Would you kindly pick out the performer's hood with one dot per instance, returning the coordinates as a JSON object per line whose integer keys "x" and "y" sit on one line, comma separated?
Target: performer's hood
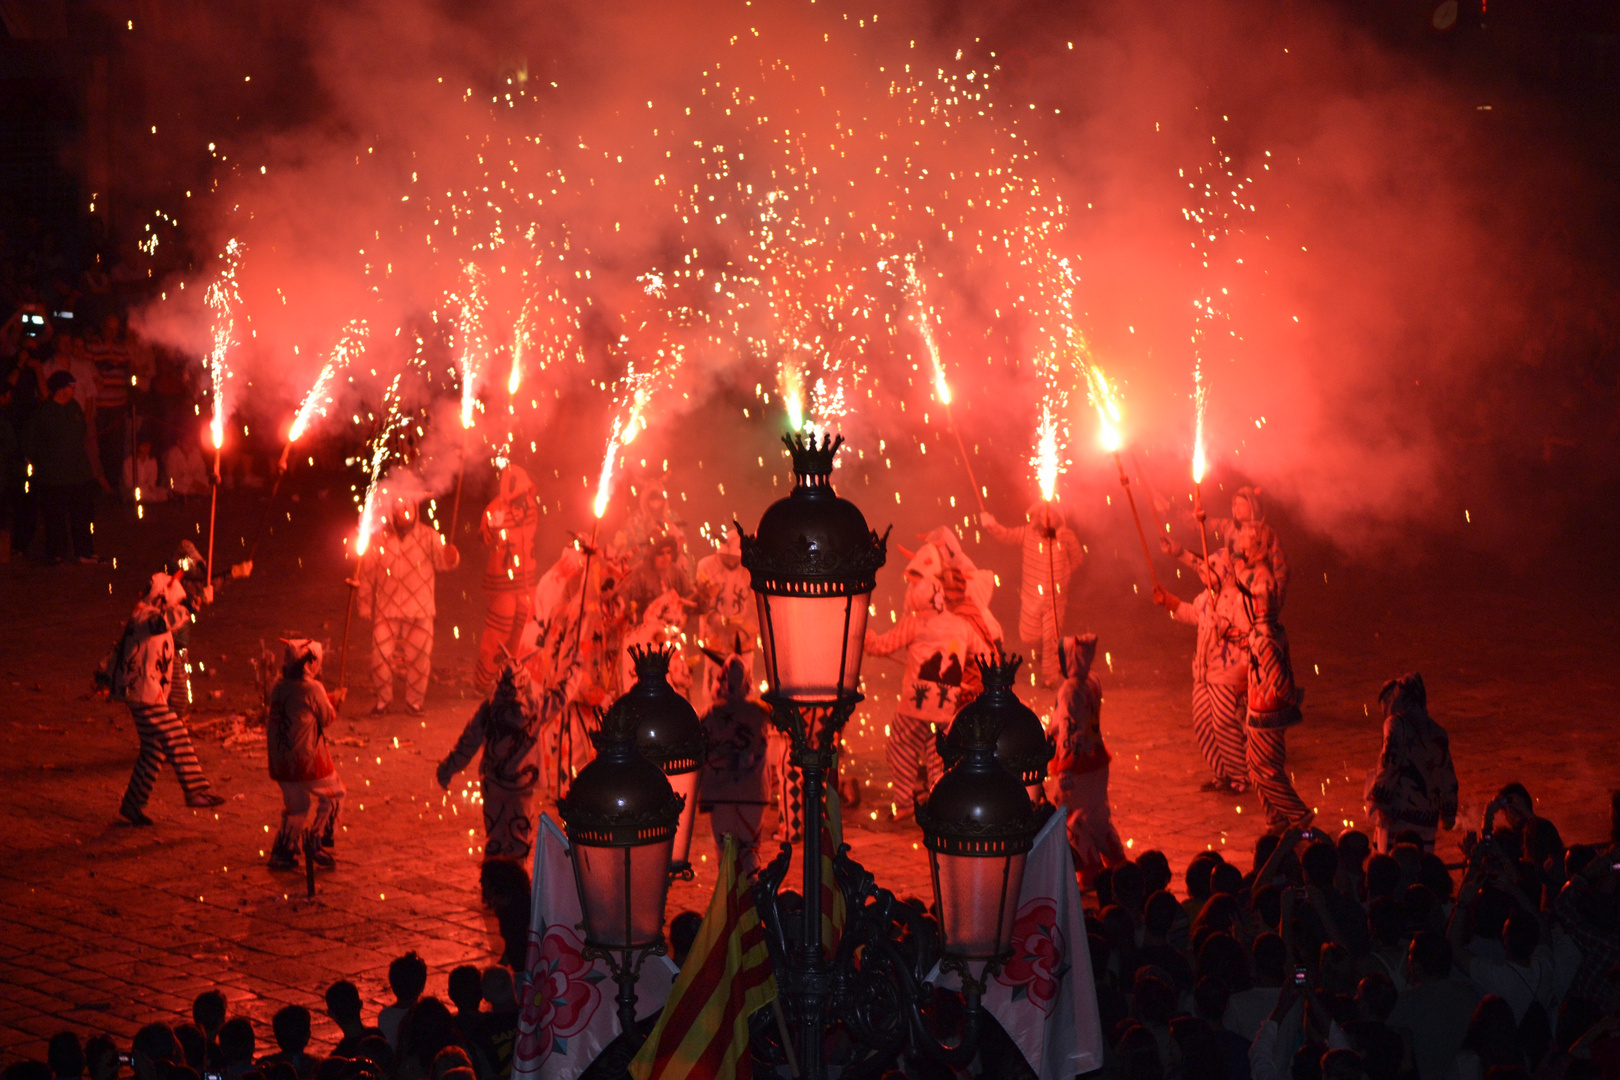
{"x": 927, "y": 562}
{"x": 1405, "y": 695}
{"x": 731, "y": 544}
{"x": 1246, "y": 505}
{"x": 514, "y": 482}
{"x": 1046, "y": 515}
{"x": 949, "y": 545}
{"x": 1076, "y": 654}
{"x": 165, "y": 590}
{"x": 515, "y": 683}
{"x": 186, "y": 557}
{"x": 301, "y": 656}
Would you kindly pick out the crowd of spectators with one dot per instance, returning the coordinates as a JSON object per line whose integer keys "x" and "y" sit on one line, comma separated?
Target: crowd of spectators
{"x": 88, "y": 409}
{"x": 1324, "y": 960}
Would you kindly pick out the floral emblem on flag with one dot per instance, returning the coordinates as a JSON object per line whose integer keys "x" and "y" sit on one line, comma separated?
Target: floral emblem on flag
{"x": 1039, "y": 960}
{"x": 563, "y": 996}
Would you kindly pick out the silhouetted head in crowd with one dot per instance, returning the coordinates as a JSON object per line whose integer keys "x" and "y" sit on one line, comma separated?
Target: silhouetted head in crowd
{"x": 236, "y": 1043}
{"x": 1130, "y": 891}
{"x": 1222, "y": 957}
{"x": 1429, "y": 957}
{"x": 101, "y": 1058}
{"x": 156, "y": 1043}
{"x": 1387, "y": 921}
{"x": 375, "y": 1049}
{"x": 193, "y": 1045}
{"x": 1269, "y": 956}
{"x": 343, "y": 1006}
{"x": 1342, "y": 1065}
{"x": 448, "y": 1060}
{"x": 1354, "y": 848}
{"x": 1138, "y": 1053}
{"x": 1383, "y": 877}
{"x": 1493, "y": 1034}
{"x": 1193, "y": 1053}
{"x": 1210, "y": 998}
{"x": 1307, "y": 1064}
{"x": 426, "y": 1029}
{"x": 1155, "y": 870}
{"x": 290, "y": 1026}
{"x": 65, "y": 1056}
{"x": 1227, "y": 879}
{"x": 466, "y": 988}
{"x": 496, "y": 986}
{"x": 1159, "y": 915}
{"x": 1153, "y": 1000}
{"x": 1376, "y": 996}
{"x": 683, "y": 932}
{"x": 1199, "y": 873}
{"x": 407, "y": 977}
{"x": 1319, "y": 863}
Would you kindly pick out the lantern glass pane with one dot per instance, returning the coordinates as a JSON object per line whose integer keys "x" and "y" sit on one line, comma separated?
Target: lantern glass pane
{"x": 624, "y": 890}
{"x": 802, "y": 644}
{"x": 972, "y": 902}
{"x": 685, "y": 784}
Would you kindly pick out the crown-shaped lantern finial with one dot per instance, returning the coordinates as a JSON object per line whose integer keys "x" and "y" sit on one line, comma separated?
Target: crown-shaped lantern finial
{"x": 813, "y": 457}
{"x": 999, "y": 669}
{"x": 651, "y": 661}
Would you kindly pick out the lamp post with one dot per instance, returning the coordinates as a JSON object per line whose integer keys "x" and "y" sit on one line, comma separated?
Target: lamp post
{"x": 978, "y": 826}
{"x": 668, "y": 735}
{"x": 621, "y": 817}
{"x": 1021, "y": 745}
{"x": 814, "y": 564}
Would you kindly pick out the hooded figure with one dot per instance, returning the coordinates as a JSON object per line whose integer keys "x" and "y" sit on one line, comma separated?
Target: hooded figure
{"x": 396, "y": 591}
{"x": 1273, "y": 699}
{"x": 507, "y": 728}
{"x": 661, "y": 624}
{"x": 733, "y": 788}
{"x": 652, "y": 521}
{"x": 1248, "y": 511}
{"x": 1051, "y": 555}
{"x": 300, "y": 758}
{"x": 1220, "y": 671}
{"x": 725, "y": 599}
{"x": 1081, "y": 764}
{"x": 145, "y": 660}
{"x": 510, "y": 574}
{"x": 1415, "y": 784}
{"x": 940, "y": 647}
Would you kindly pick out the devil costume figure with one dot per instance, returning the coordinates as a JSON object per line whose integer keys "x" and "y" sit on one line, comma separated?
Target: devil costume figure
{"x": 188, "y": 566}
{"x": 510, "y": 574}
{"x": 1220, "y": 672}
{"x": 1415, "y": 785}
{"x": 507, "y": 728}
{"x": 660, "y": 626}
{"x": 1051, "y": 555}
{"x": 142, "y": 670}
{"x": 301, "y": 759}
{"x": 1274, "y": 700}
{"x": 733, "y": 790}
{"x": 725, "y": 604}
{"x": 1247, "y": 512}
{"x": 396, "y": 580}
{"x": 1081, "y": 765}
{"x": 940, "y": 646}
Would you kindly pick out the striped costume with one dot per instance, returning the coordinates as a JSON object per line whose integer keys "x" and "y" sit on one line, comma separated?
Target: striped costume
{"x": 397, "y": 577}
{"x": 510, "y": 574}
{"x": 1415, "y": 785}
{"x": 300, "y": 758}
{"x": 1273, "y": 700}
{"x": 1220, "y": 674}
{"x": 1051, "y": 554}
{"x": 147, "y": 661}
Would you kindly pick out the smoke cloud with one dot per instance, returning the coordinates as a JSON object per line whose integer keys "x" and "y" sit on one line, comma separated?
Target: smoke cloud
{"x": 677, "y": 212}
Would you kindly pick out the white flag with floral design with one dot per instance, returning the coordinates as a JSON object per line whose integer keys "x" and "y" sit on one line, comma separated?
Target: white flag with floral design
{"x": 1045, "y": 996}
{"x": 568, "y": 1012}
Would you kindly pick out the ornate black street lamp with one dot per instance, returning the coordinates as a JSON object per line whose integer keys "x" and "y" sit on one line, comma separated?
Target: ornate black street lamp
{"x": 668, "y": 735}
{"x": 1022, "y": 746}
{"x": 814, "y": 564}
{"x": 621, "y": 816}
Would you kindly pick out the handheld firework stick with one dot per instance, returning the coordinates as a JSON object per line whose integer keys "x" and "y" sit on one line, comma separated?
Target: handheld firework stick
{"x": 1107, "y": 403}
{"x": 942, "y": 389}
{"x": 1153, "y": 497}
{"x": 213, "y": 504}
{"x": 343, "y": 652}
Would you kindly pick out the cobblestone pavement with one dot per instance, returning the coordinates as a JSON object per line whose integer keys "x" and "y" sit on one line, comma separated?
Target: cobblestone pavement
{"x": 108, "y": 927}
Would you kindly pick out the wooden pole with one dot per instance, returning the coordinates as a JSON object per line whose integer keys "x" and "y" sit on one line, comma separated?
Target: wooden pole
{"x": 966, "y": 464}
{"x": 1125, "y": 482}
{"x": 213, "y": 508}
{"x": 1203, "y": 537}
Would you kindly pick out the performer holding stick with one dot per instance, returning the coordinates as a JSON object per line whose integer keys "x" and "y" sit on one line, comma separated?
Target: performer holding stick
{"x": 1051, "y": 554}
{"x": 396, "y": 591}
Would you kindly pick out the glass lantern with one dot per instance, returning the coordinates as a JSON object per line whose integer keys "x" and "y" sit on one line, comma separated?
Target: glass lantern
{"x": 978, "y": 826}
{"x": 621, "y": 816}
{"x": 814, "y": 563}
{"x": 667, "y": 734}
{"x": 1022, "y": 746}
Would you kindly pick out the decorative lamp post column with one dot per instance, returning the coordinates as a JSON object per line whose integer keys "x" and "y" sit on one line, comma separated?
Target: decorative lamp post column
{"x": 668, "y": 735}
{"x": 621, "y": 817}
{"x": 978, "y": 826}
{"x": 1022, "y": 746}
{"x": 814, "y": 563}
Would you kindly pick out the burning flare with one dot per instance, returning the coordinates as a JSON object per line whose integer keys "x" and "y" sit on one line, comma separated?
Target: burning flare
{"x": 319, "y": 398}
{"x": 1106, "y": 400}
{"x": 1200, "y": 398}
{"x": 223, "y": 296}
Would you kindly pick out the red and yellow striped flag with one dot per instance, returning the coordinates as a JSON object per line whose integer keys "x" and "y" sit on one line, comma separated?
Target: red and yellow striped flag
{"x": 832, "y": 897}
{"x": 703, "y": 1032}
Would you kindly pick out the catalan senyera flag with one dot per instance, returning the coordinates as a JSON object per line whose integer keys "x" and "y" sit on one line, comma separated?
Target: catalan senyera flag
{"x": 832, "y": 897}
{"x": 703, "y": 1032}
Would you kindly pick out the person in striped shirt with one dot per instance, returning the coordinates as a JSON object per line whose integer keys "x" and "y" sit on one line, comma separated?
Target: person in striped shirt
{"x": 1051, "y": 555}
